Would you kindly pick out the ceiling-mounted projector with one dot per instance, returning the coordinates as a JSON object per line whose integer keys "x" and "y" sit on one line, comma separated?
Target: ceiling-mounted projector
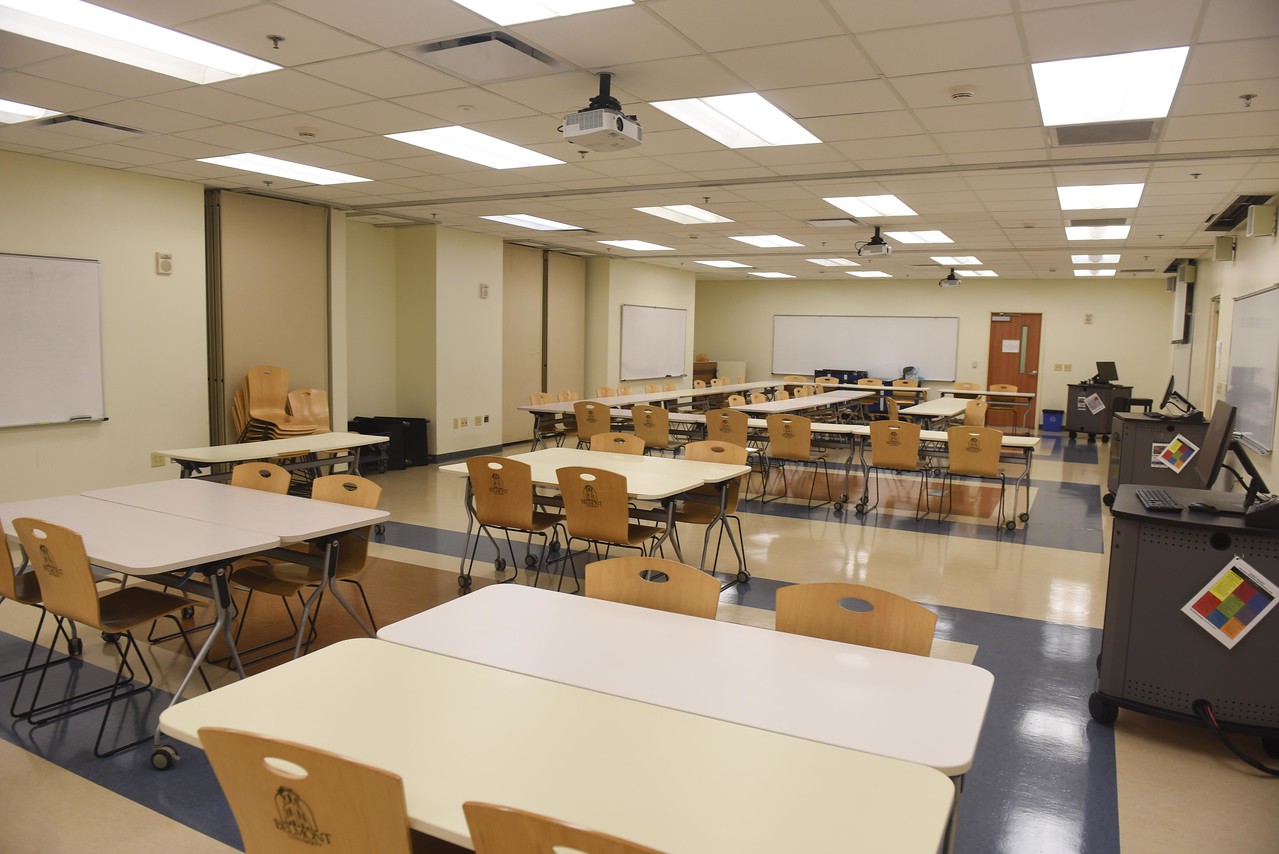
{"x": 602, "y": 126}
{"x": 874, "y": 246}
{"x": 951, "y": 281}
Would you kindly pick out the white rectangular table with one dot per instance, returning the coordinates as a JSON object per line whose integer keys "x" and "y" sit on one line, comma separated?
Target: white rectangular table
{"x": 456, "y": 731}
{"x": 937, "y": 409}
{"x": 1024, "y": 400}
{"x": 192, "y": 460}
{"x": 658, "y": 479}
{"x": 910, "y": 707}
{"x": 812, "y": 401}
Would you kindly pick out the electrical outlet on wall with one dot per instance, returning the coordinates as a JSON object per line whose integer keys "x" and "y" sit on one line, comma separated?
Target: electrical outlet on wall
{"x": 466, "y": 422}
{"x": 1068, "y": 367}
{"x": 158, "y": 460}
{"x": 479, "y": 419}
{"x": 454, "y": 423}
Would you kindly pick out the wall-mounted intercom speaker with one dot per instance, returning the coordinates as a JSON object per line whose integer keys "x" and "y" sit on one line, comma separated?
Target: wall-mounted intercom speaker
{"x": 1260, "y": 222}
{"x": 1223, "y": 248}
{"x": 163, "y": 264}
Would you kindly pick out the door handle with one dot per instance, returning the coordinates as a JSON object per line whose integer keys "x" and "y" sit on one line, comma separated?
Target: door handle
{"x": 1033, "y": 373}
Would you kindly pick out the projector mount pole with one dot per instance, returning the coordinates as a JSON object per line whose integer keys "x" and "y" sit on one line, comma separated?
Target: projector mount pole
{"x": 604, "y": 100}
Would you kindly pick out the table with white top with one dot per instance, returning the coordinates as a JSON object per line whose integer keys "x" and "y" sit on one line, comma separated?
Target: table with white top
{"x": 456, "y": 731}
{"x": 1024, "y": 400}
{"x": 342, "y": 448}
{"x": 656, "y": 479}
{"x": 938, "y": 409}
{"x": 820, "y": 400}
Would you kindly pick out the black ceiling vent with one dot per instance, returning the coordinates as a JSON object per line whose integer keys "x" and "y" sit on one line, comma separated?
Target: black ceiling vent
{"x": 90, "y": 129}
{"x": 1137, "y": 270}
{"x": 1235, "y": 213}
{"x": 1098, "y": 222}
{"x": 1171, "y": 269}
{"x": 1106, "y": 133}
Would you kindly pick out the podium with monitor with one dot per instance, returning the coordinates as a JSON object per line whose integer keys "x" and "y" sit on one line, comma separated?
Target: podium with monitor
{"x": 1090, "y": 405}
{"x": 1137, "y": 439}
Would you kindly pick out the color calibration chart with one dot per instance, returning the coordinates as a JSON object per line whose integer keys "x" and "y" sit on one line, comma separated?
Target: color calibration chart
{"x": 1235, "y": 601}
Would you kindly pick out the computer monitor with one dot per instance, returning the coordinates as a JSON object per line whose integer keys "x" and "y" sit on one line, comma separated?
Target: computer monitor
{"x": 1212, "y": 450}
{"x": 1106, "y": 372}
{"x": 1172, "y": 398}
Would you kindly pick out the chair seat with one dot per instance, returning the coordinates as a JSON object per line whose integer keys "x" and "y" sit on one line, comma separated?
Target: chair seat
{"x": 267, "y": 578}
{"x": 131, "y": 607}
{"x": 637, "y": 534}
{"x": 26, "y": 588}
{"x": 697, "y": 512}
{"x": 542, "y": 521}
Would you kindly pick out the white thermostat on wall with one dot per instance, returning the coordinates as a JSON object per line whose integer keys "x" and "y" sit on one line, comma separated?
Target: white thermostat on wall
{"x": 163, "y": 264}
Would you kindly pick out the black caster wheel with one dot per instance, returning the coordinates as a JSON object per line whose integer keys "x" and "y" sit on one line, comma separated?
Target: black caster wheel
{"x": 530, "y": 561}
{"x": 1102, "y": 710}
{"x": 555, "y": 547}
{"x": 1010, "y": 525}
{"x": 1108, "y": 499}
{"x": 499, "y": 565}
{"x": 1025, "y": 517}
{"x": 111, "y": 637}
{"x": 860, "y": 509}
{"x": 188, "y": 612}
{"x": 464, "y": 581}
{"x": 839, "y": 507}
{"x": 163, "y": 758}
{"x": 380, "y": 530}
{"x": 1072, "y": 435}
{"x": 75, "y": 647}
{"x": 743, "y": 576}
{"x": 1271, "y": 746}
{"x": 1105, "y": 440}
{"x": 1092, "y": 440}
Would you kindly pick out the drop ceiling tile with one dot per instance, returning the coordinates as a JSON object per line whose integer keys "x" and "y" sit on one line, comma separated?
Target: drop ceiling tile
{"x": 298, "y": 92}
{"x": 1211, "y": 98}
{"x": 215, "y": 103}
{"x": 616, "y": 37}
{"x": 905, "y": 147}
{"x": 806, "y": 63}
{"x": 1239, "y": 124}
{"x": 791, "y": 155}
{"x": 114, "y": 78}
{"x": 1246, "y": 59}
{"x": 1008, "y": 139}
{"x": 77, "y": 157}
{"x": 304, "y": 39}
{"x": 126, "y": 154}
{"x": 682, "y": 77}
{"x": 237, "y": 138}
{"x": 838, "y": 129}
{"x": 863, "y": 17}
{"x": 465, "y": 106}
{"x": 999, "y": 83}
{"x": 146, "y": 117}
{"x": 556, "y": 94}
{"x": 293, "y": 126}
{"x": 50, "y": 94}
{"x": 968, "y": 116}
{"x": 857, "y": 98}
{"x": 383, "y": 75}
{"x": 750, "y": 23}
{"x": 19, "y": 51}
{"x": 945, "y": 47}
{"x": 1114, "y": 27}
{"x": 177, "y": 147}
{"x": 33, "y": 135}
{"x": 168, "y": 14}
{"x": 1239, "y": 19}
{"x": 378, "y": 117}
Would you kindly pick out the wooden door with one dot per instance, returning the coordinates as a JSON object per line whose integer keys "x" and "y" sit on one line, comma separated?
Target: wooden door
{"x": 1014, "y": 355}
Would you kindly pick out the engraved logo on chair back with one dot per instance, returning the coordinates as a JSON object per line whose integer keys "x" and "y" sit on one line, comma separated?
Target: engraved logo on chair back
{"x": 652, "y": 424}
{"x": 894, "y": 445}
{"x": 62, "y": 567}
{"x": 595, "y": 505}
{"x": 790, "y": 437}
{"x": 591, "y": 418}
{"x": 503, "y": 491}
{"x": 974, "y": 450}
{"x": 728, "y": 425}
{"x": 295, "y": 818}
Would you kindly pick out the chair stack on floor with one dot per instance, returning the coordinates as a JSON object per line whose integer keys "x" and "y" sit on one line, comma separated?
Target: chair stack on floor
{"x": 260, "y": 408}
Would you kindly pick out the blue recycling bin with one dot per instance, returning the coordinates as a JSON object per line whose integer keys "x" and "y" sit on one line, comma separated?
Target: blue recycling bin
{"x": 1052, "y": 420}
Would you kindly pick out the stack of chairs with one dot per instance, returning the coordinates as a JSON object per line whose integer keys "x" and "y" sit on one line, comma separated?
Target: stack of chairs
{"x": 260, "y": 408}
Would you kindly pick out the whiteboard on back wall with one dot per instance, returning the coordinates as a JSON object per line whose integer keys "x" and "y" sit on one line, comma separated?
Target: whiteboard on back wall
{"x": 50, "y": 341}
{"x": 881, "y": 346}
{"x": 1254, "y": 367}
{"x": 654, "y": 342}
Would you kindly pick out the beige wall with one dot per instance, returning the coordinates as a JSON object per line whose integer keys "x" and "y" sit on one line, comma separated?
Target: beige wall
{"x": 1130, "y": 322}
{"x": 153, "y": 329}
{"x": 610, "y": 284}
{"x": 521, "y": 337}
{"x": 566, "y": 327}
{"x": 370, "y": 319}
{"x": 412, "y": 320}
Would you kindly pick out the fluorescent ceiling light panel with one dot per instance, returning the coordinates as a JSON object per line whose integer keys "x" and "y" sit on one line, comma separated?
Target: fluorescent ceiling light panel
{"x": 684, "y": 214}
{"x": 767, "y": 241}
{"x": 872, "y": 206}
{"x": 956, "y": 260}
{"x": 738, "y": 121}
{"x": 1097, "y": 232}
{"x": 724, "y": 264}
{"x": 466, "y": 144}
{"x": 833, "y": 262}
{"x": 986, "y": 274}
{"x": 637, "y": 245}
{"x": 1098, "y": 196}
{"x": 1094, "y": 272}
{"x": 1094, "y": 259}
{"x": 11, "y": 112}
{"x": 283, "y": 169}
{"x": 870, "y": 274}
{"x": 110, "y": 35}
{"x": 508, "y": 12}
{"x": 772, "y": 275}
{"x": 534, "y": 222}
{"x": 1115, "y": 88}
{"x": 918, "y": 236}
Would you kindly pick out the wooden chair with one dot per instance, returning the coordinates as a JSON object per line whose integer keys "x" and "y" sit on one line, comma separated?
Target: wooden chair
{"x": 699, "y": 383}
{"x": 568, "y": 396}
{"x": 652, "y": 388}
{"x": 854, "y": 613}
{"x": 781, "y": 394}
{"x": 650, "y": 582}
{"x": 668, "y": 386}
{"x": 344, "y": 806}
{"x": 267, "y": 477}
{"x": 311, "y": 404}
{"x": 790, "y": 441}
{"x": 69, "y": 592}
{"x": 623, "y": 390}
{"x": 702, "y": 505}
{"x": 716, "y": 382}
{"x": 965, "y": 386}
{"x": 1004, "y": 404}
{"x": 758, "y": 397}
{"x": 741, "y": 378}
{"x": 506, "y": 830}
{"x": 907, "y": 397}
{"x": 894, "y": 446}
{"x": 894, "y": 412}
{"x": 802, "y": 391}
{"x": 975, "y": 413}
{"x": 736, "y": 400}
{"x": 653, "y": 426}
{"x": 618, "y": 443}
{"x": 285, "y": 579}
{"x": 973, "y": 452}
{"x": 267, "y": 397}
{"x": 504, "y": 500}
{"x": 546, "y": 429}
{"x": 728, "y": 425}
{"x": 868, "y": 407}
{"x": 592, "y": 417}
{"x": 605, "y": 391}
{"x": 827, "y": 380}
{"x": 596, "y": 511}
{"x": 794, "y": 378}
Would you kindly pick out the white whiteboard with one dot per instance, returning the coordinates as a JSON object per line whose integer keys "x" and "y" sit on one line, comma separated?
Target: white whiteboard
{"x": 654, "y": 342}
{"x": 881, "y": 346}
{"x": 50, "y": 341}
{"x": 1254, "y": 366}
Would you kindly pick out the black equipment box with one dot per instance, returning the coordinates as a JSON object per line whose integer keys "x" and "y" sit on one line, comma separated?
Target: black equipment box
{"x": 408, "y": 440}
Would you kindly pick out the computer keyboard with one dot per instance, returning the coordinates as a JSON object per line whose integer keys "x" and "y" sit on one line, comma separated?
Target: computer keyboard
{"x": 1157, "y": 501}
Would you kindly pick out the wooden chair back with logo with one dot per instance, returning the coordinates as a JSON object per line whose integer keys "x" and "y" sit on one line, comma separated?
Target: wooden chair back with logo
{"x": 618, "y": 443}
{"x": 605, "y": 391}
{"x": 336, "y": 805}
{"x": 652, "y": 425}
{"x": 727, "y": 425}
{"x": 506, "y": 830}
{"x": 894, "y": 445}
{"x": 854, "y": 613}
{"x": 592, "y": 417}
{"x": 650, "y": 582}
